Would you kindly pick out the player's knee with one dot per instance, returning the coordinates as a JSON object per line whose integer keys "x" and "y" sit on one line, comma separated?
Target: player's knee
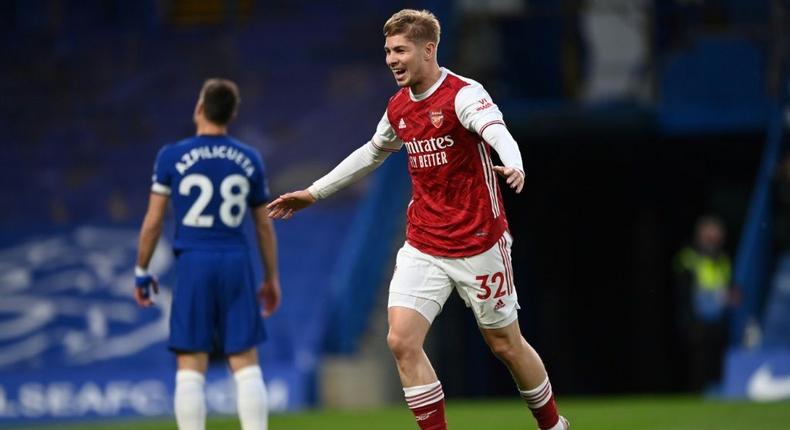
{"x": 505, "y": 349}
{"x": 401, "y": 346}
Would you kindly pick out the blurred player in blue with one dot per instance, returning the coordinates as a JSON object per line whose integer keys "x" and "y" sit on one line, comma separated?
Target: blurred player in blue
{"x": 213, "y": 180}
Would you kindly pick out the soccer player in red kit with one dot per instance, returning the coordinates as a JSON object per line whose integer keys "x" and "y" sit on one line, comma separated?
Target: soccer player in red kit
{"x": 457, "y": 235}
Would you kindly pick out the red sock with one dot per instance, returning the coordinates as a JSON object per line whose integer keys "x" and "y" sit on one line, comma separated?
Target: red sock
{"x": 427, "y": 404}
{"x": 540, "y": 401}
{"x": 546, "y": 415}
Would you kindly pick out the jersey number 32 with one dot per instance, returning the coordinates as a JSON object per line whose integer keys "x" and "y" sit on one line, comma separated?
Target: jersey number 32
{"x": 233, "y": 189}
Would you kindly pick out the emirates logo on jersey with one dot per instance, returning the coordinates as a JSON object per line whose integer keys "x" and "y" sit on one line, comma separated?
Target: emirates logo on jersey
{"x": 437, "y": 118}
{"x": 428, "y": 152}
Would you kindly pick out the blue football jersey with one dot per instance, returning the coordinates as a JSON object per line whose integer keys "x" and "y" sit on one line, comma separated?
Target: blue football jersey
{"x": 212, "y": 181}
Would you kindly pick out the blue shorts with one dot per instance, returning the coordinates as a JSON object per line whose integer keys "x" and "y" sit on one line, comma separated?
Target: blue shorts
{"x": 215, "y": 303}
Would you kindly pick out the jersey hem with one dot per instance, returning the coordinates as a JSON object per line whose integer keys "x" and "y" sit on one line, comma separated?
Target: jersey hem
{"x": 460, "y": 253}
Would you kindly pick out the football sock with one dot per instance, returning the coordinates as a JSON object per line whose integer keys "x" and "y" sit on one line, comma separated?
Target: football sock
{"x": 427, "y": 404}
{"x": 251, "y": 401}
{"x": 540, "y": 401}
{"x": 190, "y": 400}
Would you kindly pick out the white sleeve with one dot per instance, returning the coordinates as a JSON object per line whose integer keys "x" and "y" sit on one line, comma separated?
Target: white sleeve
{"x": 385, "y": 138}
{"x": 499, "y": 137}
{"x": 358, "y": 164}
{"x": 479, "y": 114}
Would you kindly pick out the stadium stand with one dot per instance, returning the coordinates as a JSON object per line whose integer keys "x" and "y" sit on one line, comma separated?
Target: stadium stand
{"x": 101, "y": 103}
{"x": 109, "y": 82}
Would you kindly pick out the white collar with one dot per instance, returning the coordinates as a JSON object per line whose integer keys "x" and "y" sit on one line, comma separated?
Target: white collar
{"x": 431, "y": 90}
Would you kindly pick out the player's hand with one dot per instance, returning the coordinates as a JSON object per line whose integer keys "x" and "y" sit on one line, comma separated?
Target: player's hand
{"x": 269, "y": 295}
{"x": 143, "y": 283}
{"x": 513, "y": 177}
{"x": 283, "y": 207}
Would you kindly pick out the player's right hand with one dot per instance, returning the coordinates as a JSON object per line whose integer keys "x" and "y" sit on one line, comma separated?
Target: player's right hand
{"x": 143, "y": 283}
{"x": 283, "y": 207}
{"x": 270, "y": 295}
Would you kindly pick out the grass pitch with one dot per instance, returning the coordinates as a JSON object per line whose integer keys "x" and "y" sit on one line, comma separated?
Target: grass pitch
{"x": 621, "y": 413}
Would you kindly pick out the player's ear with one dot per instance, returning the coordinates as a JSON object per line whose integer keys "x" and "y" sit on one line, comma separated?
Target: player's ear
{"x": 429, "y": 51}
{"x": 198, "y": 110}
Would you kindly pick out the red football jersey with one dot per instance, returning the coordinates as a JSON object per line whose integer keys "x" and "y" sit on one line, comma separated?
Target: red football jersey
{"x": 456, "y": 208}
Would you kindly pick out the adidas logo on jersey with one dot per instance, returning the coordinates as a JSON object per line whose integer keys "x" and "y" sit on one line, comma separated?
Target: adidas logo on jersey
{"x": 499, "y": 305}
{"x": 402, "y": 124}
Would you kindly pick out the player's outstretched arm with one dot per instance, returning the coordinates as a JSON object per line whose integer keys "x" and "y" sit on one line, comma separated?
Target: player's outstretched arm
{"x": 358, "y": 164}
{"x": 149, "y": 236}
{"x": 283, "y": 207}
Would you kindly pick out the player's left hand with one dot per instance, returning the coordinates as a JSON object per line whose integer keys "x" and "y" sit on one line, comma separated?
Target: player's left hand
{"x": 513, "y": 177}
{"x": 143, "y": 283}
{"x": 269, "y": 296}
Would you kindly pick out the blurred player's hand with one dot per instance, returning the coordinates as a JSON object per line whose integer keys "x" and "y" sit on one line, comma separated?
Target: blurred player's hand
{"x": 513, "y": 177}
{"x": 284, "y": 206}
{"x": 143, "y": 283}
{"x": 269, "y": 296}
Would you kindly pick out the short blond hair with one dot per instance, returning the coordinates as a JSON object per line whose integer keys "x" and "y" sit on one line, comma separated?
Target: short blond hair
{"x": 416, "y": 25}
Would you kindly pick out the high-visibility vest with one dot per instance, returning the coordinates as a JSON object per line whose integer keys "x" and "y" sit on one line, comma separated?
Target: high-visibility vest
{"x": 711, "y": 280}
{"x": 710, "y": 273}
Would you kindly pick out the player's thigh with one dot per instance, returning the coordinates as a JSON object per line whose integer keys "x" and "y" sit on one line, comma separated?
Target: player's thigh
{"x": 243, "y": 359}
{"x": 193, "y": 310}
{"x": 197, "y": 361}
{"x": 240, "y": 321}
{"x": 407, "y": 328}
{"x": 419, "y": 283}
{"x": 485, "y": 283}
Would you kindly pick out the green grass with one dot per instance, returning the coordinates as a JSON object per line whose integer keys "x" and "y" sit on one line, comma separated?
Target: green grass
{"x": 631, "y": 413}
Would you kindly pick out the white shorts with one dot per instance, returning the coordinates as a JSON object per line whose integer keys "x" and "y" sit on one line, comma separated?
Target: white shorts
{"x": 485, "y": 283}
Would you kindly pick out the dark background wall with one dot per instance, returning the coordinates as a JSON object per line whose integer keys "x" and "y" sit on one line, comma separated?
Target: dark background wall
{"x": 595, "y": 232}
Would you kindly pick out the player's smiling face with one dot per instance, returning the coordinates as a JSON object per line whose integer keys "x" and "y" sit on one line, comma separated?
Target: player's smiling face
{"x": 405, "y": 60}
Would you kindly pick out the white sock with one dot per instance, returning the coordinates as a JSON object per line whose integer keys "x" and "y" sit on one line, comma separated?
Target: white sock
{"x": 251, "y": 401}
{"x": 421, "y": 395}
{"x": 538, "y": 396}
{"x": 190, "y": 400}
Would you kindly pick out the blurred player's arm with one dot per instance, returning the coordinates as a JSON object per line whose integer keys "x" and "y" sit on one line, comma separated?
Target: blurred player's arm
{"x": 149, "y": 236}
{"x": 270, "y": 293}
{"x": 358, "y": 164}
{"x": 479, "y": 114}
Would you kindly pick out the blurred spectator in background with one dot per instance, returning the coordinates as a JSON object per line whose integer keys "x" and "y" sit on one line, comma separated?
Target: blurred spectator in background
{"x": 616, "y": 34}
{"x": 703, "y": 291}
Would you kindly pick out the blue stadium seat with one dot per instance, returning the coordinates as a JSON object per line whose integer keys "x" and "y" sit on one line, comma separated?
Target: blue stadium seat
{"x": 718, "y": 84}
